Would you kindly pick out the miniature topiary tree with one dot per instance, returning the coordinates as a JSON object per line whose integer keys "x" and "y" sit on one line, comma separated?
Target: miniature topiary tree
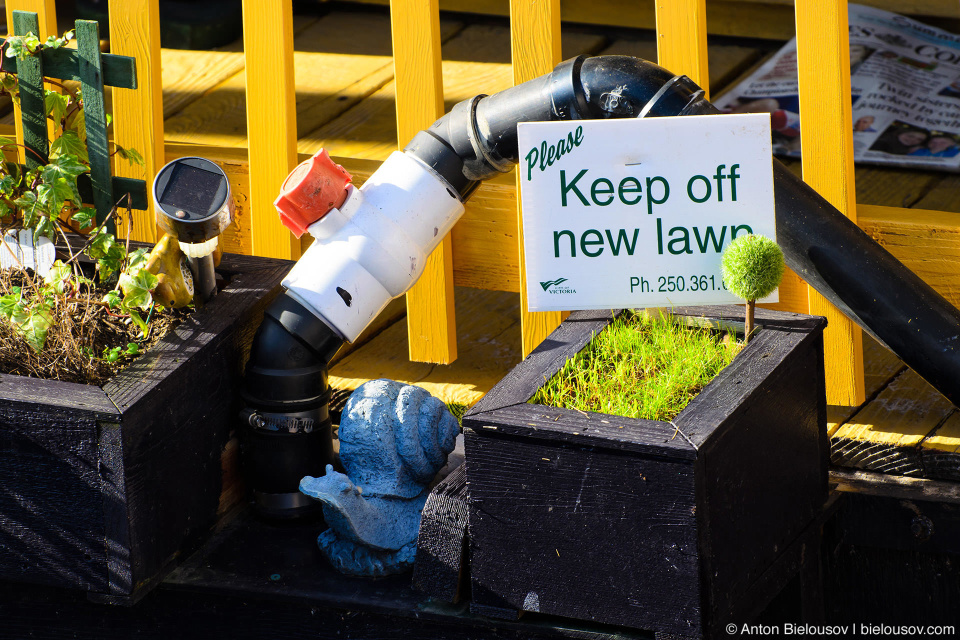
{"x": 752, "y": 268}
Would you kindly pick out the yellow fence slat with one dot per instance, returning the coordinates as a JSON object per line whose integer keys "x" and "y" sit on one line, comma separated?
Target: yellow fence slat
{"x": 535, "y": 50}
{"x": 271, "y": 119}
{"x": 138, "y": 114}
{"x": 823, "y": 58}
{"x": 46, "y": 11}
{"x": 415, "y": 24}
{"x": 682, "y": 39}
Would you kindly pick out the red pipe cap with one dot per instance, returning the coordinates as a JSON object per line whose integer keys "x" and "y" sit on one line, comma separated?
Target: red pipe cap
{"x": 310, "y": 191}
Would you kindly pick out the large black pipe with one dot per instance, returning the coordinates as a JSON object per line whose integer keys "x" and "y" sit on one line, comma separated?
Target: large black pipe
{"x": 478, "y": 139}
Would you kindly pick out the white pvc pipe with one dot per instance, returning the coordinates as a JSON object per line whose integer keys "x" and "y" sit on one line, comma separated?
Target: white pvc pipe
{"x": 375, "y": 246}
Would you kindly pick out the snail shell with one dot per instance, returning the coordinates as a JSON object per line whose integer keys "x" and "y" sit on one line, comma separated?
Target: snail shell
{"x": 394, "y": 437}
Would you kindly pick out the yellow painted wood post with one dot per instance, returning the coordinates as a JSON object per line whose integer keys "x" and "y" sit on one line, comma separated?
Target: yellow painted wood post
{"x": 271, "y": 120}
{"x": 682, "y": 39}
{"x": 535, "y": 50}
{"x": 415, "y": 24}
{"x": 138, "y": 114}
{"x": 46, "y": 11}
{"x": 826, "y": 140}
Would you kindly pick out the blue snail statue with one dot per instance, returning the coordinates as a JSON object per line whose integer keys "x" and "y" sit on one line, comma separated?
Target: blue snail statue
{"x": 394, "y": 438}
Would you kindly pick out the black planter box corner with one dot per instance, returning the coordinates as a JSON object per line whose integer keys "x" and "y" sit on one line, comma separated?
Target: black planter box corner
{"x": 641, "y": 523}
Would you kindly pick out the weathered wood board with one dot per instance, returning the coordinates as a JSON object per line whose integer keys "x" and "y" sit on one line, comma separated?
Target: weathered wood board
{"x": 475, "y": 61}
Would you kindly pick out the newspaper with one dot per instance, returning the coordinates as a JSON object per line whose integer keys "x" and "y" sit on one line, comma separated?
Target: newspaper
{"x": 905, "y": 79}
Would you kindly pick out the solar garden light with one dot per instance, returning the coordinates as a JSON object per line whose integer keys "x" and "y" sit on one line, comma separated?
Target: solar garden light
{"x": 193, "y": 203}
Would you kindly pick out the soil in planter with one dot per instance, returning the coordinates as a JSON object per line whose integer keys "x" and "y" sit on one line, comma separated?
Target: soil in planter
{"x": 640, "y": 367}
{"x": 80, "y": 338}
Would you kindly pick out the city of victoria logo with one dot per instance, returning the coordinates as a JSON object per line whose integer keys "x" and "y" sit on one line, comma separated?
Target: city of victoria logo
{"x": 556, "y": 284}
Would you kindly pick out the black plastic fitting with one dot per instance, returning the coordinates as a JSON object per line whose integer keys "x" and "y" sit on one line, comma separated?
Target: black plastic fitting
{"x": 286, "y": 432}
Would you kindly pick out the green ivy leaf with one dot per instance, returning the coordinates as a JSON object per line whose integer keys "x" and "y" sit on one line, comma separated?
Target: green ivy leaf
{"x": 21, "y": 47}
{"x": 77, "y": 122}
{"x": 112, "y": 298}
{"x": 137, "y": 260}
{"x": 56, "y": 104}
{"x": 54, "y": 194}
{"x": 14, "y": 170}
{"x": 85, "y": 217}
{"x": 31, "y": 208}
{"x": 9, "y": 83}
{"x": 130, "y": 155}
{"x": 55, "y": 42}
{"x": 69, "y": 143}
{"x": 7, "y": 185}
{"x": 136, "y": 289}
{"x": 65, "y": 167}
{"x": 8, "y": 303}
{"x": 108, "y": 254}
{"x": 59, "y": 277}
{"x": 44, "y": 227}
{"x": 32, "y": 324}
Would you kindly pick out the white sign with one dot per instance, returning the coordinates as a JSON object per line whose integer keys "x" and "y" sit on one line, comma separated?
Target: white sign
{"x": 635, "y": 213}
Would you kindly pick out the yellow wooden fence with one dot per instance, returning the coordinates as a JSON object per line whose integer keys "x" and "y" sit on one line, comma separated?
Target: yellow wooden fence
{"x": 681, "y": 25}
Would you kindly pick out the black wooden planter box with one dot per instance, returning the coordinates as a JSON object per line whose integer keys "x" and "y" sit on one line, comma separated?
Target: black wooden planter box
{"x": 644, "y": 523}
{"x": 102, "y": 488}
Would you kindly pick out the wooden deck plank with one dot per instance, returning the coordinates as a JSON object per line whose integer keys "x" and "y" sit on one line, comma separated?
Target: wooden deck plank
{"x": 755, "y": 20}
{"x": 942, "y": 196}
{"x": 885, "y": 435}
{"x": 190, "y": 75}
{"x": 880, "y": 367}
{"x": 893, "y": 187}
{"x": 940, "y": 451}
{"x": 486, "y": 251}
{"x": 334, "y": 69}
{"x": 489, "y": 331}
{"x": 475, "y": 61}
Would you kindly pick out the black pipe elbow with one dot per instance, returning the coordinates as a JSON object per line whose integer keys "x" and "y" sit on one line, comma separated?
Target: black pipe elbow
{"x": 286, "y": 431}
{"x": 477, "y": 139}
{"x": 289, "y": 357}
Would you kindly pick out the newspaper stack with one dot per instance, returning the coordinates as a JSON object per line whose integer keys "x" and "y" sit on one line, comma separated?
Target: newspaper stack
{"x": 905, "y": 81}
